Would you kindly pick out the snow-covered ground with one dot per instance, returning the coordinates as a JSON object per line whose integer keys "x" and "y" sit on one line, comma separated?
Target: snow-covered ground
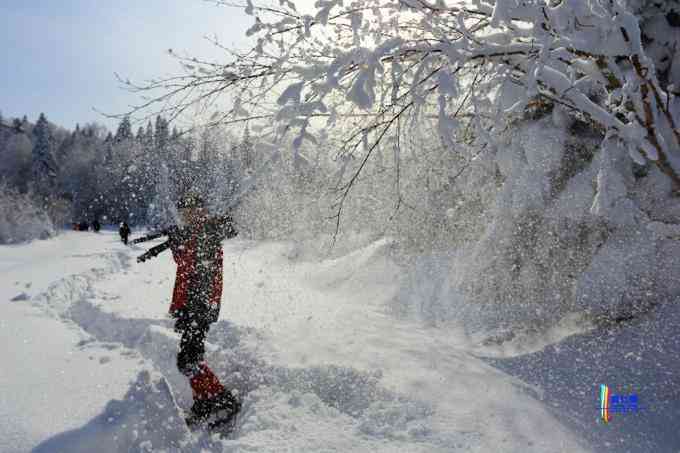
{"x": 88, "y": 359}
{"x": 53, "y": 377}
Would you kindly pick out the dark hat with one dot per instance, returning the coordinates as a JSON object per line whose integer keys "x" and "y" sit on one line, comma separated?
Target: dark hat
{"x": 190, "y": 200}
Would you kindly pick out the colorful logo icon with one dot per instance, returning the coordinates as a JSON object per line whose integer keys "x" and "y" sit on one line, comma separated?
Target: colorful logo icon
{"x": 612, "y": 403}
{"x": 604, "y": 403}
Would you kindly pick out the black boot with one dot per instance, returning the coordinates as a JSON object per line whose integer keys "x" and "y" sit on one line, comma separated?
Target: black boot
{"x": 214, "y": 411}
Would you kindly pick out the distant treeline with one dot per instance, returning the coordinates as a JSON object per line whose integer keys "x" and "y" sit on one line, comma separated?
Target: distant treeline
{"x": 90, "y": 173}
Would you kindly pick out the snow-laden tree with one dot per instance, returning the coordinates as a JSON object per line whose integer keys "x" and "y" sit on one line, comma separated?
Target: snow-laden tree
{"x": 44, "y": 166}
{"x": 16, "y": 162}
{"x": 386, "y": 59}
{"x": 161, "y": 135}
{"x": 162, "y": 210}
{"x": 221, "y": 176}
{"x": 21, "y": 219}
{"x": 554, "y": 123}
{"x": 246, "y": 149}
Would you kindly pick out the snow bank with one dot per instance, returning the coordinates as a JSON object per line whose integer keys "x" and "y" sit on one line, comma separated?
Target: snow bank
{"x": 569, "y": 229}
{"x": 639, "y": 356}
{"x": 146, "y": 419}
{"x": 368, "y": 263}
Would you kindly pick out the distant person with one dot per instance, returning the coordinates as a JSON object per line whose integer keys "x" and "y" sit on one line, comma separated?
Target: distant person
{"x": 83, "y": 226}
{"x": 96, "y": 226}
{"x": 124, "y": 232}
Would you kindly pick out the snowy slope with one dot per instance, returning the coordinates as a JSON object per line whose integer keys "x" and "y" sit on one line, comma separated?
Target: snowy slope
{"x": 640, "y": 356}
{"x": 318, "y": 359}
{"x": 53, "y": 378}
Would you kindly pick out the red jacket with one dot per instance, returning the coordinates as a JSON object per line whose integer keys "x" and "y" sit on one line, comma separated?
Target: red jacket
{"x": 197, "y": 250}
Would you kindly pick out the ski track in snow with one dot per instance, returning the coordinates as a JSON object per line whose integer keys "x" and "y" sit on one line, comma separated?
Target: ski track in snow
{"x": 320, "y": 363}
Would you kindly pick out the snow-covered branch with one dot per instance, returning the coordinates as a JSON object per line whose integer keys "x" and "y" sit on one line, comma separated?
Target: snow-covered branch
{"x": 376, "y": 57}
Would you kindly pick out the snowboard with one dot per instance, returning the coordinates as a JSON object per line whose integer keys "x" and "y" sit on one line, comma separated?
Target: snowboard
{"x": 221, "y": 422}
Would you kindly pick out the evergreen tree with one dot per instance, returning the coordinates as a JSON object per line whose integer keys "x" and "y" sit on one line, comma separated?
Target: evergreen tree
{"x": 108, "y": 148}
{"x": 246, "y": 149}
{"x": 140, "y": 135}
{"x": 16, "y": 162}
{"x": 65, "y": 147}
{"x": 43, "y": 167}
{"x": 162, "y": 211}
{"x": 188, "y": 147}
{"x": 145, "y": 174}
{"x": 16, "y": 125}
{"x": 162, "y": 134}
{"x": 148, "y": 136}
{"x": 124, "y": 131}
{"x": 4, "y": 133}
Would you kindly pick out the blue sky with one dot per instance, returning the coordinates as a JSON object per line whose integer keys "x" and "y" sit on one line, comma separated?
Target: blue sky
{"x": 59, "y": 56}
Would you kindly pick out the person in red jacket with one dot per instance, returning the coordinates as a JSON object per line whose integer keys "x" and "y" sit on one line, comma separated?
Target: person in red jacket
{"x": 197, "y": 249}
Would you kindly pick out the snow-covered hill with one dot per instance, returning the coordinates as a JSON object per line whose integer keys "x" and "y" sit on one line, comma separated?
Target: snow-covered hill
{"x": 320, "y": 361}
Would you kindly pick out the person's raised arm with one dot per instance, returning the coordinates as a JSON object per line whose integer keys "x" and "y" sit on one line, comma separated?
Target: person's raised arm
{"x": 151, "y": 236}
{"x": 153, "y": 252}
{"x": 224, "y": 224}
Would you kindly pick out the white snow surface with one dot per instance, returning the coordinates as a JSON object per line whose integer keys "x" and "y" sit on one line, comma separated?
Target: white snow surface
{"x": 88, "y": 360}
